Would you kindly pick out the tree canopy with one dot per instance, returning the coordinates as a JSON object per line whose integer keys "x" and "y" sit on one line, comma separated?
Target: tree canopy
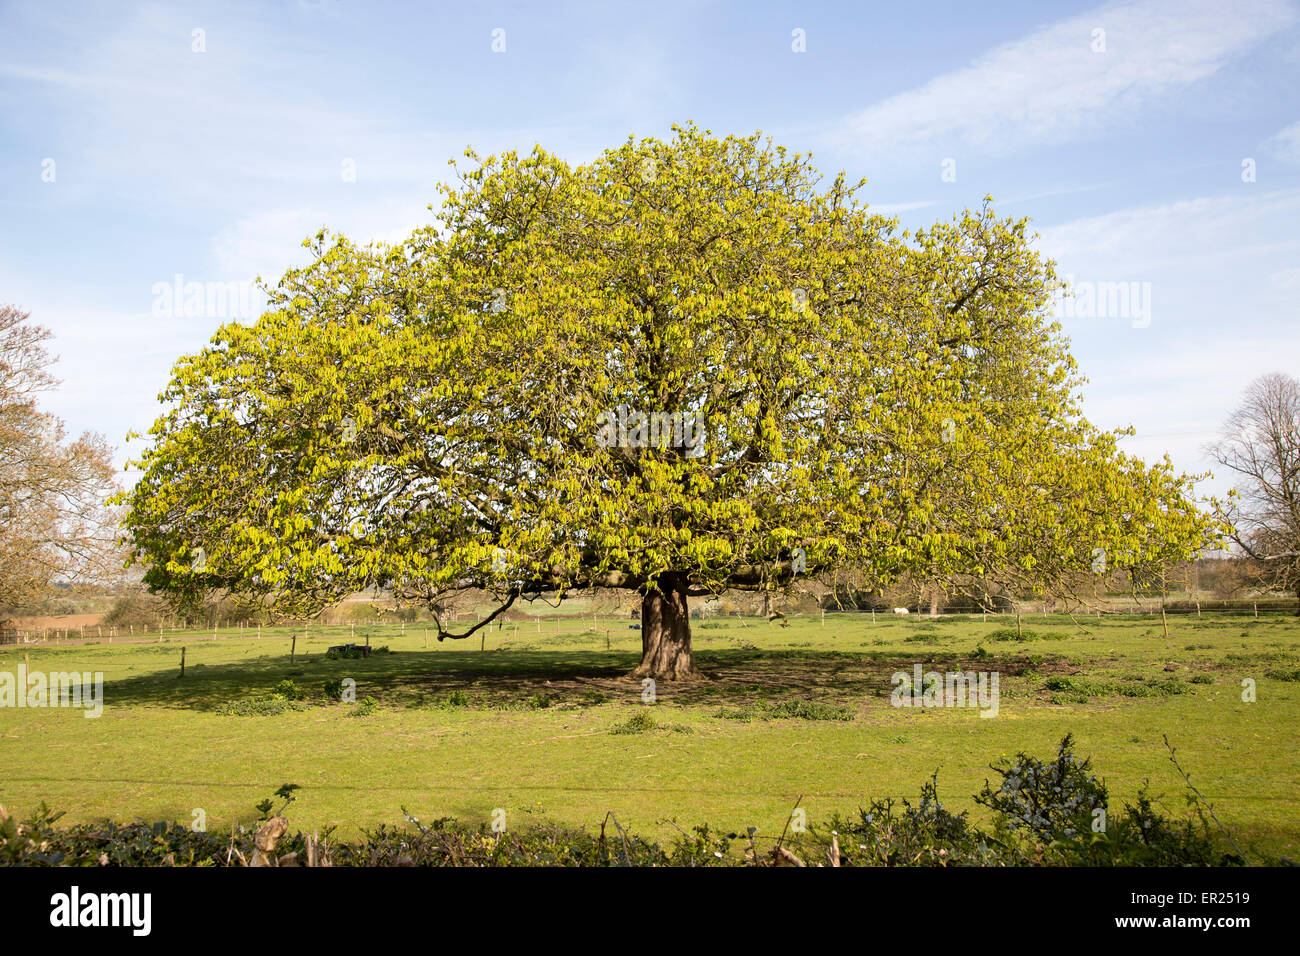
{"x": 1260, "y": 447}
{"x": 687, "y": 366}
{"x": 54, "y": 525}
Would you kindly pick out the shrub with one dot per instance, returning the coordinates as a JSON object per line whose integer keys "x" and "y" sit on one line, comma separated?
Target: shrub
{"x": 364, "y": 707}
{"x": 1079, "y": 689}
{"x": 794, "y": 709}
{"x": 639, "y": 723}
{"x": 1010, "y": 634}
{"x": 1050, "y": 800}
{"x": 890, "y": 833}
{"x": 288, "y": 690}
{"x": 1144, "y": 837}
{"x": 270, "y": 706}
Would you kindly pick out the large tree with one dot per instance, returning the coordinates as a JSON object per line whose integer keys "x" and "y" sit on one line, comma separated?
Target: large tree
{"x": 488, "y": 403}
{"x": 1260, "y": 446}
{"x": 54, "y": 524}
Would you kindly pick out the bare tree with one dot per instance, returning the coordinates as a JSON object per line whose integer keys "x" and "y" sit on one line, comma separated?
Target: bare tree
{"x": 1261, "y": 445}
{"x": 54, "y": 522}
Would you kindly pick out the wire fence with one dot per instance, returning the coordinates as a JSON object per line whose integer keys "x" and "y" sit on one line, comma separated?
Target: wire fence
{"x": 1110, "y": 609}
{"x": 348, "y": 632}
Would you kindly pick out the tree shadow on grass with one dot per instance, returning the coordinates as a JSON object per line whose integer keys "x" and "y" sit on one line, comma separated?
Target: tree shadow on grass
{"x": 506, "y": 680}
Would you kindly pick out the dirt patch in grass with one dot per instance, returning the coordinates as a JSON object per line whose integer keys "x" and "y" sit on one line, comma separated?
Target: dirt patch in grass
{"x": 735, "y": 678}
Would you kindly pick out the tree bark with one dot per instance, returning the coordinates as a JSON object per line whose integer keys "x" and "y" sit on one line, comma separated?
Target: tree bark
{"x": 666, "y": 634}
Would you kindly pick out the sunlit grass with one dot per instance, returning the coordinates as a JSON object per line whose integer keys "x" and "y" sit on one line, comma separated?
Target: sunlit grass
{"x": 526, "y": 723}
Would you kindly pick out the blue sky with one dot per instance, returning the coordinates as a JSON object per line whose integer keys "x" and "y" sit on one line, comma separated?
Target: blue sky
{"x": 1162, "y": 152}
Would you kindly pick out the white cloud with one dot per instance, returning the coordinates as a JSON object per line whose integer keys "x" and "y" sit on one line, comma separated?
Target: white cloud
{"x": 1142, "y": 240}
{"x": 1052, "y": 85}
{"x": 266, "y": 243}
{"x": 1286, "y": 281}
{"x": 1285, "y": 145}
{"x": 1223, "y": 311}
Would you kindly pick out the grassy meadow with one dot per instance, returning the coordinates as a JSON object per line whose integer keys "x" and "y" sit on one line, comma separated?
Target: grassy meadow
{"x": 538, "y": 720}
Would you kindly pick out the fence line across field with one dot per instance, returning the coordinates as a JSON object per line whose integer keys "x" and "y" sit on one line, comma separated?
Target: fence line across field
{"x": 82, "y": 634}
{"x": 590, "y": 623}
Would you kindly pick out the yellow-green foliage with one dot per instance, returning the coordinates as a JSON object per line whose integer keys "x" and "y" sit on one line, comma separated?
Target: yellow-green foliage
{"x": 421, "y": 414}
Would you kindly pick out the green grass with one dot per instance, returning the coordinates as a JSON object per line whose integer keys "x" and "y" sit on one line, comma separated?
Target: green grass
{"x": 545, "y": 725}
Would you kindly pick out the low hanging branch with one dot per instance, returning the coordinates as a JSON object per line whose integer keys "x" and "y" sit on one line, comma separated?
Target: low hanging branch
{"x": 446, "y": 635}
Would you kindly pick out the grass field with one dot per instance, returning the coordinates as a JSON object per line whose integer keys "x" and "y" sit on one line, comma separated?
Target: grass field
{"x": 537, "y": 723}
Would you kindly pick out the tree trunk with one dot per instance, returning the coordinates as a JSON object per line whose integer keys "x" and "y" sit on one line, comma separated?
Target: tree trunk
{"x": 666, "y": 634}
{"x": 934, "y": 603}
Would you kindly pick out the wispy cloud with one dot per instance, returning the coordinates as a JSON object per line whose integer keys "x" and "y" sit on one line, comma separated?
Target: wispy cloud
{"x": 1222, "y": 277}
{"x": 1065, "y": 78}
{"x": 1195, "y": 233}
{"x": 1285, "y": 145}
